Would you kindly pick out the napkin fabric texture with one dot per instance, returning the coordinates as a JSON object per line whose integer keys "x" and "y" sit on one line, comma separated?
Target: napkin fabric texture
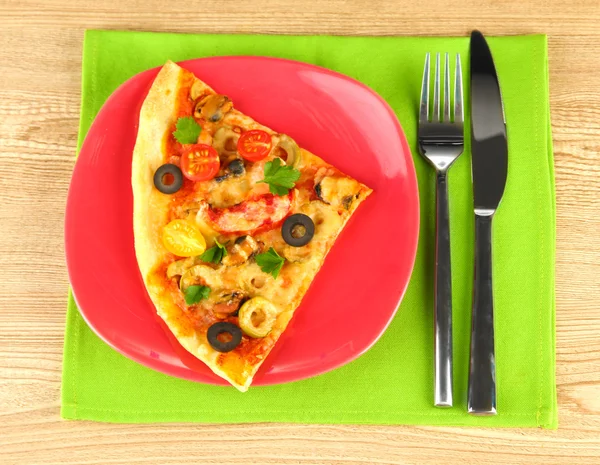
{"x": 393, "y": 382}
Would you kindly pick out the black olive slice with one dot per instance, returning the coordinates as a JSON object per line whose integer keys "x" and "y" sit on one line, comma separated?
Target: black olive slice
{"x": 164, "y": 174}
{"x": 222, "y": 178}
{"x": 231, "y": 336}
{"x": 298, "y": 230}
{"x": 236, "y": 167}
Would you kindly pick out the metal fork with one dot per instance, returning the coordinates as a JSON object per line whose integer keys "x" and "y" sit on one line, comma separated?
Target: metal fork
{"x": 441, "y": 141}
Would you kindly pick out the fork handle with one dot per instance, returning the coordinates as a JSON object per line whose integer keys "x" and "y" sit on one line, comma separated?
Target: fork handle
{"x": 482, "y": 368}
{"x": 443, "y": 297}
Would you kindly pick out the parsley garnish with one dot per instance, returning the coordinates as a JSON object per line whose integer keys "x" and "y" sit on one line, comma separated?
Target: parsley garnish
{"x": 280, "y": 178}
{"x": 194, "y": 294}
{"x": 187, "y": 131}
{"x": 215, "y": 254}
{"x": 270, "y": 262}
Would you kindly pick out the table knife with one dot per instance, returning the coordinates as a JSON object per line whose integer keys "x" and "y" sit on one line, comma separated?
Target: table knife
{"x": 489, "y": 166}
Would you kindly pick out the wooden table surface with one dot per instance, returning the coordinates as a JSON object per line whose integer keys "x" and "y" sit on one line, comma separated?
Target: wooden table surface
{"x": 40, "y": 73}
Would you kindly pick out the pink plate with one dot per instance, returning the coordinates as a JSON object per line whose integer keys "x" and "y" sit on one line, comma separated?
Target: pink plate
{"x": 356, "y": 293}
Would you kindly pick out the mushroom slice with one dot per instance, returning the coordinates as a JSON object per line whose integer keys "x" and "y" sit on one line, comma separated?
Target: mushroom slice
{"x": 212, "y": 107}
{"x": 297, "y": 254}
{"x": 179, "y": 267}
{"x": 337, "y": 191}
{"x": 226, "y": 302}
{"x": 199, "y": 274}
{"x": 198, "y": 89}
{"x": 241, "y": 250}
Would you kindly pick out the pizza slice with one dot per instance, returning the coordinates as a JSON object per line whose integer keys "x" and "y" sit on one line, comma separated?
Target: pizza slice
{"x": 232, "y": 222}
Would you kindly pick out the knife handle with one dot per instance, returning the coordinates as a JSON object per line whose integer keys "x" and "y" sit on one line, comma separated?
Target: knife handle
{"x": 482, "y": 369}
{"x": 443, "y": 298}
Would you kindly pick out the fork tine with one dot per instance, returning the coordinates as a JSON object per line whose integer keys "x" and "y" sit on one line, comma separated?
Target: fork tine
{"x": 424, "y": 107}
{"x": 458, "y": 93}
{"x": 436, "y": 90}
{"x": 446, "y": 89}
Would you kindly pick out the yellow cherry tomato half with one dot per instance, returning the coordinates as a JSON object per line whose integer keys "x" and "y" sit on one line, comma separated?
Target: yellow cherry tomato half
{"x": 183, "y": 238}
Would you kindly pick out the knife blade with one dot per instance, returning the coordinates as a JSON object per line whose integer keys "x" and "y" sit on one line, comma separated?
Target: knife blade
{"x": 488, "y": 129}
{"x": 489, "y": 164}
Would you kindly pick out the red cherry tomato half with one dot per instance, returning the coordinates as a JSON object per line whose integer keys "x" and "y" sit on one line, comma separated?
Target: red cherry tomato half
{"x": 254, "y": 145}
{"x": 200, "y": 162}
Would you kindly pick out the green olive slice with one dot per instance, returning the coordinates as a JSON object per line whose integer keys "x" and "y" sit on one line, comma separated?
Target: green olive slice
{"x": 257, "y": 317}
{"x": 225, "y": 141}
{"x": 292, "y": 155}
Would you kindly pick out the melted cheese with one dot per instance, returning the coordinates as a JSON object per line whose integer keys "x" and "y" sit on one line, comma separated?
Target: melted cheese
{"x": 339, "y": 191}
{"x": 229, "y": 192}
{"x": 281, "y": 291}
{"x": 326, "y": 218}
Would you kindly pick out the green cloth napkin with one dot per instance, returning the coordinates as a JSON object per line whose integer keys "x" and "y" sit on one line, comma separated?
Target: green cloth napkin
{"x": 393, "y": 382}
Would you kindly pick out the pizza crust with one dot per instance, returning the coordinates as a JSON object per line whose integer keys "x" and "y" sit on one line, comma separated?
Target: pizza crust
{"x": 150, "y": 207}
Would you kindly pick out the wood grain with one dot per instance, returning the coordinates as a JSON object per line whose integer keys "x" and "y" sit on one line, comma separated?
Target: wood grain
{"x": 40, "y": 66}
